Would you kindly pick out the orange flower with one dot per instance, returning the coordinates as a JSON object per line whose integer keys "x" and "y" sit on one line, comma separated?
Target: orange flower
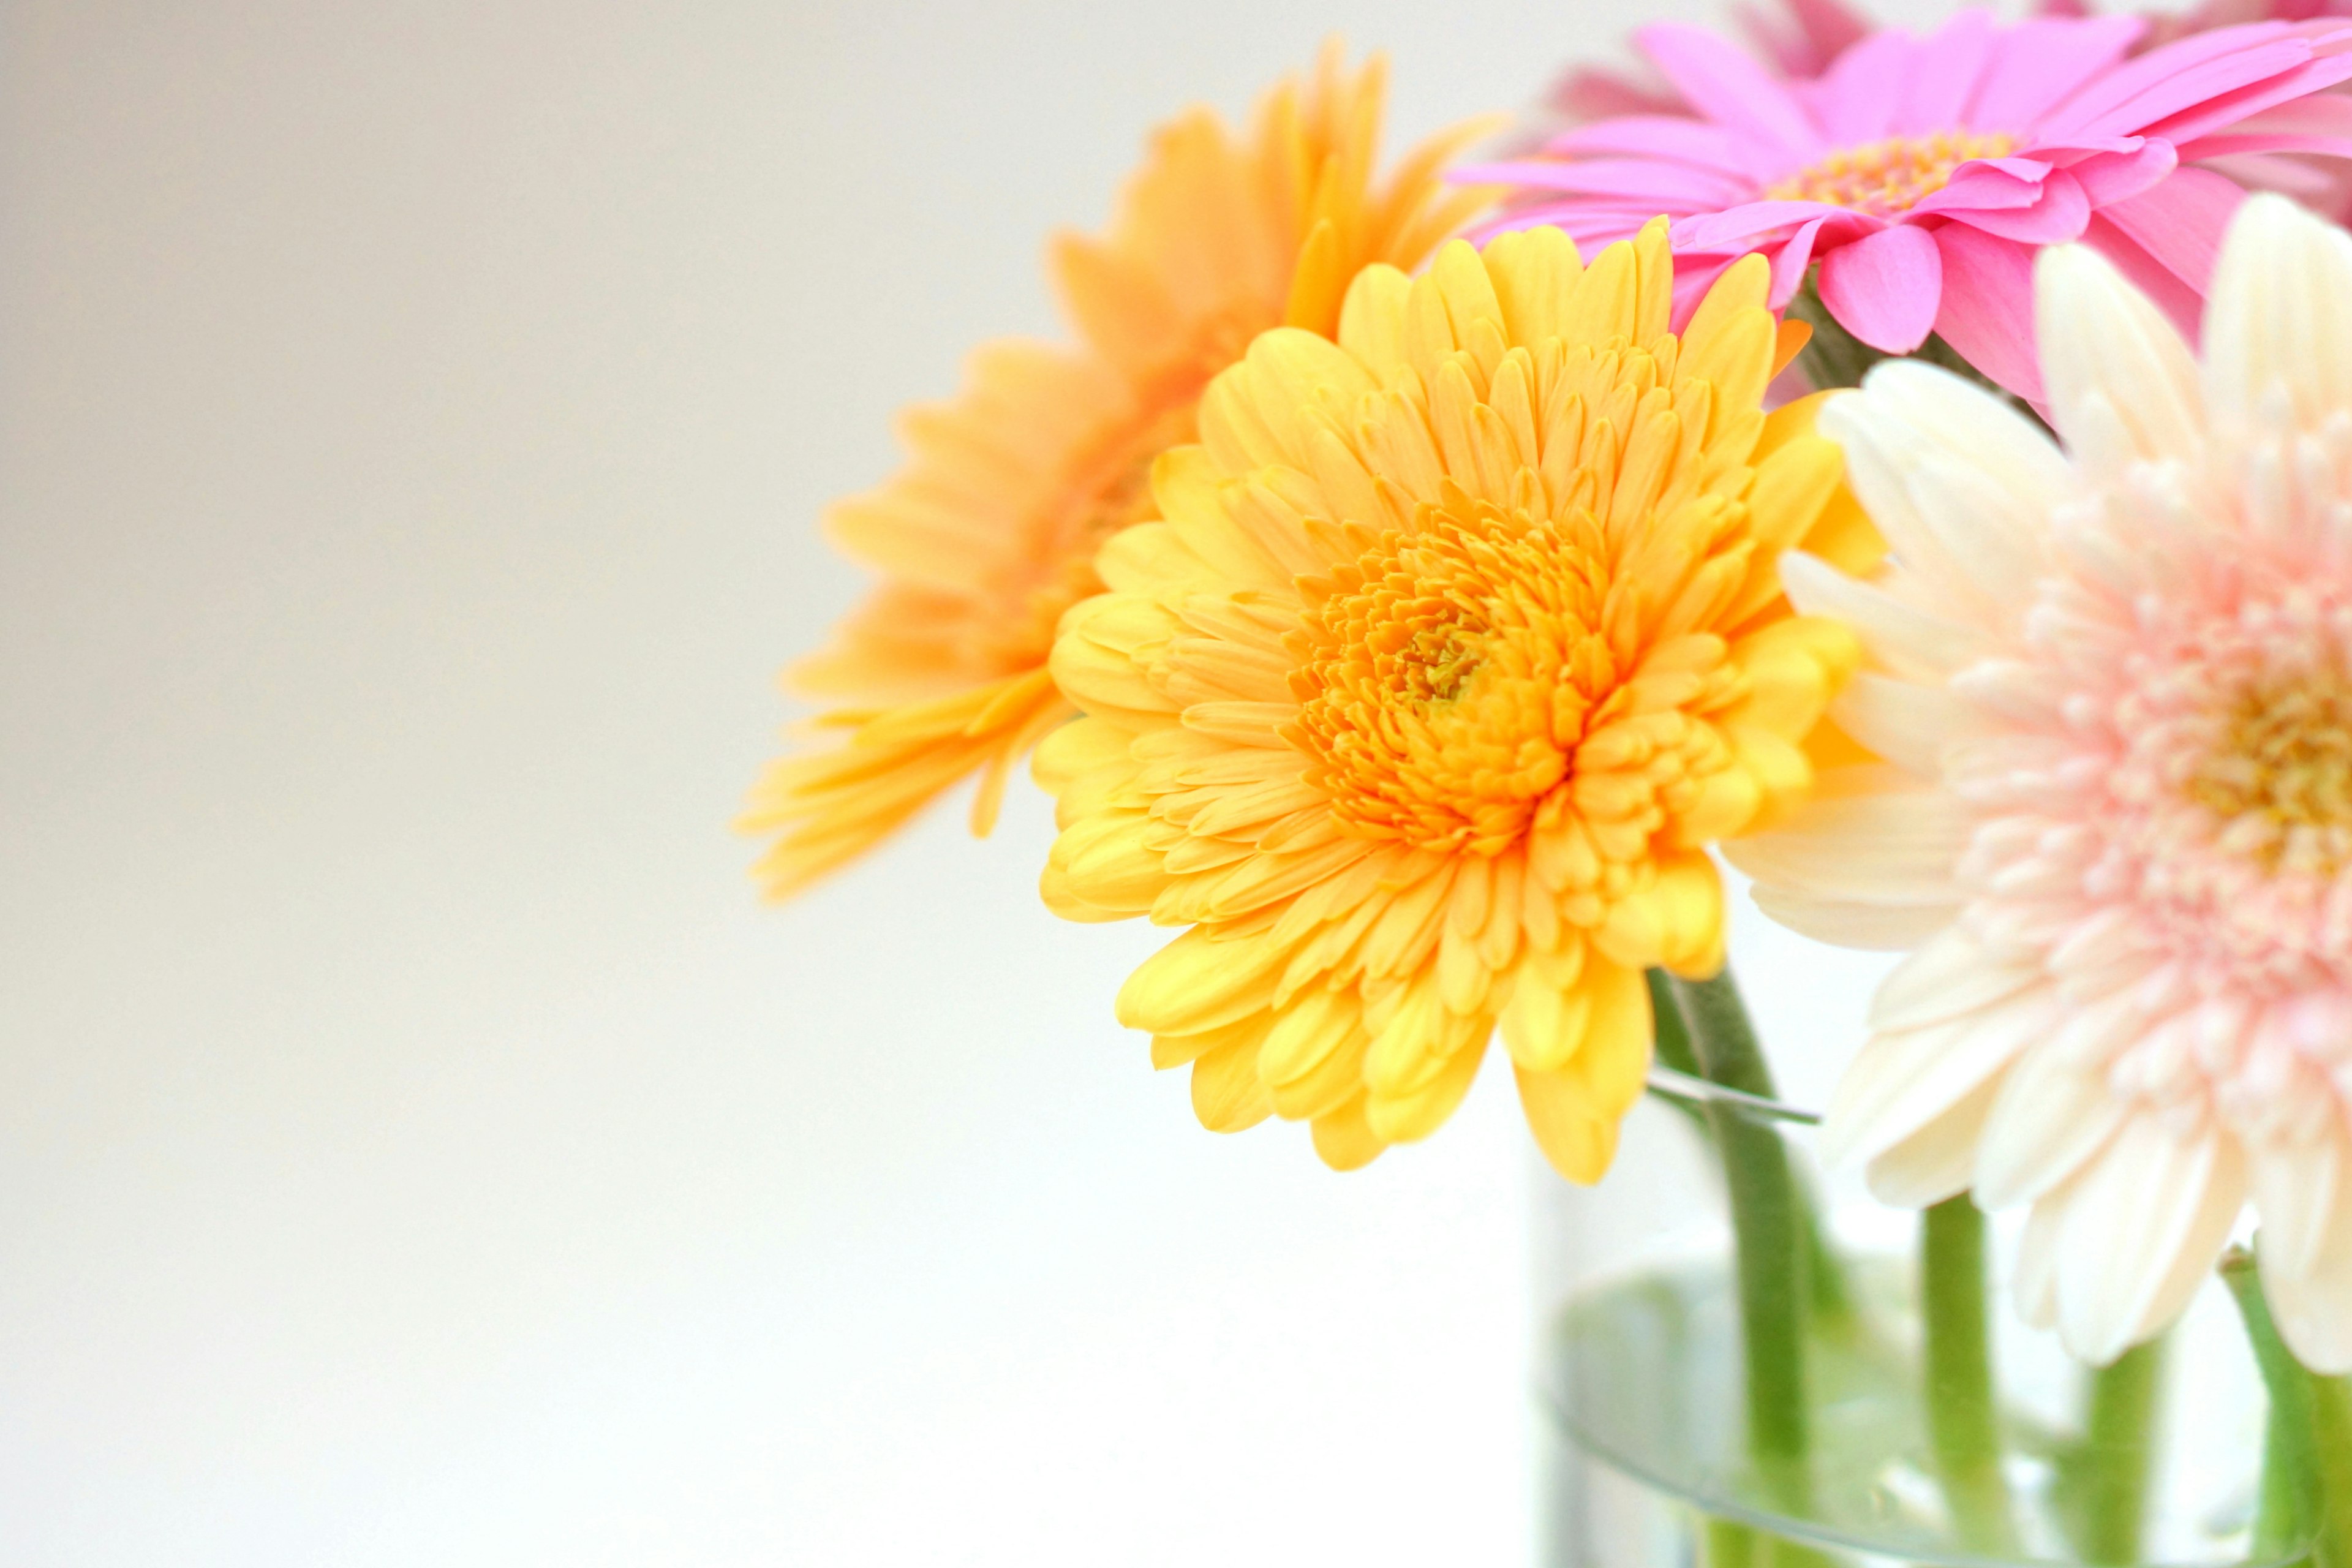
{"x": 989, "y": 532}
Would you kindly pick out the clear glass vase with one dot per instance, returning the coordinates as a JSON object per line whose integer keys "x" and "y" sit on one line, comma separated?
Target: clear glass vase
{"x": 1894, "y": 1430}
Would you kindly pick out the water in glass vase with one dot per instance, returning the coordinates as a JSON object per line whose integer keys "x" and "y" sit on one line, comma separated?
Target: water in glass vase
{"x": 1893, "y": 1428}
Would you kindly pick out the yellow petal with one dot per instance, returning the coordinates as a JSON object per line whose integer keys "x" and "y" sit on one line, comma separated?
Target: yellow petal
{"x": 1344, "y": 1138}
{"x": 1194, "y": 985}
{"x": 1227, "y": 1095}
{"x": 1575, "y": 1142}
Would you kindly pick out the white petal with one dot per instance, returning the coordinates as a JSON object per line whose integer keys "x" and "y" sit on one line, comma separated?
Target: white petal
{"x": 2001, "y": 543}
{"x": 1937, "y": 1161}
{"x": 1897, "y": 849}
{"x": 2148, "y": 1217}
{"x": 2036, "y": 1285}
{"x": 1876, "y": 459}
{"x": 2112, "y": 362}
{"x": 1950, "y": 975}
{"x": 1873, "y": 928}
{"x": 2051, "y": 1117}
{"x": 2314, "y": 1306}
{"x": 1969, "y": 423}
{"x": 1900, "y": 1082}
{"x": 1911, "y": 726}
{"x": 2296, "y": 1192}
{"x": 1961, "y": 485}
{"x": 1914, "y": 644}
{"x": 2279, "y": 314}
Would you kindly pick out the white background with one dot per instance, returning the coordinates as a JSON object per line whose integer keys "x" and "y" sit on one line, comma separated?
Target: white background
{"x": 416, "y": 1144}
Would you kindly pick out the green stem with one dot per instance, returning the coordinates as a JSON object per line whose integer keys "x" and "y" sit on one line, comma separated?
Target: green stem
{"x": 1832, "y": 1297}
{"x": 1963, "y": 1415}
{"x": 1766, "y": 1221}
{"x": 2119, "y": 1453}
{"x": 2307, "y": 1454}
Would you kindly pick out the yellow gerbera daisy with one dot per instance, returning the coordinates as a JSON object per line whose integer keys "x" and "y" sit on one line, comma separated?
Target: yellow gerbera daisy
{"x": 989, "y": 534}
{"x": 1460, "y": 640}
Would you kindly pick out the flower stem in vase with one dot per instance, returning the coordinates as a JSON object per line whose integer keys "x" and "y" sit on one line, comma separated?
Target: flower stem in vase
{"x": 2307, "y": 1451}
{"x": 1832, "y": 1295}
{"x": 2117, "y": 1453}
{"x": 1963, "y": 1414}
{"x": 1767, "y": 1222}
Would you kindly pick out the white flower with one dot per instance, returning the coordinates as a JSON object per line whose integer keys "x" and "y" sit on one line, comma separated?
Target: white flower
{"x": 2113, "y": 691}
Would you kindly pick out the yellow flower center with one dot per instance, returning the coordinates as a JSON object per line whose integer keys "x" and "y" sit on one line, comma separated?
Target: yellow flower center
{"x": 1889, "y": 178}
{"x": 1446, "y": 680}
{"x": 2280, "y": 775}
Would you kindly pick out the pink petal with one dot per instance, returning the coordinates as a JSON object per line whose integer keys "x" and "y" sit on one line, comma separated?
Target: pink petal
{"x": 1885, "y": 287}
{"x": 1946, "y": 68}
{"x": 1729, "y": 88}
{"x": 1813, "y": 33}
{"x": 2039, "y": 63}
{"x": 1739, "y": 227}
{"x": 1987, "y": 311}
{"x": 1990, "y": 185}
{"x": 1599, "y": 93}
{"x": 2229, "y": 108}
{"x": 2183, "y": 305}
{"x": 1685, "y": 141}
{"x": 2108, "y": 177}
{"x": 1667, "y": 187}
{"x": 2234, "y": 146}
{"x": 1857, "y": 100}
{"x": 2058, "y": 216}
{"x": 2180, "y": 221}
{"x": 1789, "y": 264}
{"x": 2180, "y": 75}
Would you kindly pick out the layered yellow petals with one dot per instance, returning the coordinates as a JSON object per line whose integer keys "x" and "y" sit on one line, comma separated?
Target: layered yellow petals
{"x": 1456, "y": 644}
{"x": 990, "y": 532}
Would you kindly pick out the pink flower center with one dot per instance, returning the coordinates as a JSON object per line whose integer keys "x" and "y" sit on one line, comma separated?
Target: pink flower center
{"x": 2279, "y": 777}
{"x": 1887, "y": 179}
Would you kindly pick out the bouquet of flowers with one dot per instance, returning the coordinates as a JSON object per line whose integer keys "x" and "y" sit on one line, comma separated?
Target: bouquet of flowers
{"x": 1916, "y": 469}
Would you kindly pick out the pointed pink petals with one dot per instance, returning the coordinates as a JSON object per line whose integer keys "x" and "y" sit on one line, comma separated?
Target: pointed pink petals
{"x": 1856, "y": 101}
{"x": 1946, "y": 69}
{"x": 1730, "y": 89}
{"x": 2221, "y": 110}
{"x": 1987, "y": 311}
{"x": 2173, "y": 92}
{"x": 1884, "y": 287}
{"x": 2039, "y": 63}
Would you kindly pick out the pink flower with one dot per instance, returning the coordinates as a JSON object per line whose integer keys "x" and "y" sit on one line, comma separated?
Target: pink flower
{"x": 1923, "y": 173}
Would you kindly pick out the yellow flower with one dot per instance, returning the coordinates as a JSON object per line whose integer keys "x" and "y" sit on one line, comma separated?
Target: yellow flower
{"x": 989, "y": 532}
{"x": 1460, "y": 640}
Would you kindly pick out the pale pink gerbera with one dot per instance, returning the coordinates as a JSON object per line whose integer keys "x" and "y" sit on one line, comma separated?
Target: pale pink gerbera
{"x": 2113, "y": 688}
{"x": 1922, "y": 172}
